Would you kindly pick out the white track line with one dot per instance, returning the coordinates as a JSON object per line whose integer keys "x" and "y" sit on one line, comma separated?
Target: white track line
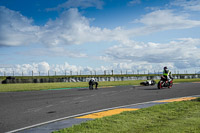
{"x": 47, "y": 122}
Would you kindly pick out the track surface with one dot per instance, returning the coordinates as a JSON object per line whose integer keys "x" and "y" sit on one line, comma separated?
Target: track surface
{"x": 21, "y": 109}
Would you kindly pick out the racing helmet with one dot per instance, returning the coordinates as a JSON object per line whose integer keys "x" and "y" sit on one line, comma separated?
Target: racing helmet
{"x": 165, "y": 69}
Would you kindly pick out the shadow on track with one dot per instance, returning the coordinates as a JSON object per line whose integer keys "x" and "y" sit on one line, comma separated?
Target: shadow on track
{"x": 83, "y": 89}
{"x": 151, "y": 89}
{"x": 155, "y": 89}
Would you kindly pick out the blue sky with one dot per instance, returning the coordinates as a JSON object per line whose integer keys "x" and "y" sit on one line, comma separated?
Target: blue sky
{"x": 98, "y": 35}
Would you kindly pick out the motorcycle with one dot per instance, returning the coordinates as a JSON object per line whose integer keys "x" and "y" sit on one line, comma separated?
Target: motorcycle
{"x": 148, "y": 83}
{"x": 164, "y": 83}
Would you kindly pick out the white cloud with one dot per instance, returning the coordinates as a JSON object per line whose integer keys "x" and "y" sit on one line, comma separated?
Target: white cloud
{"x": 193, "y": 5}
{"x": 141, "y": 67}
{"x": 72, "y": 28}
{"x": 15, "y": 29}
{"x": 182, "y": 53}
{"x": 165, "y": 20}
{"x": 69, "y": 28}
{"x": 43, "y": 66}
{"x": 53, "y": 52}
{"x": 132, "y": 57}
{"x": 79, "y": 3}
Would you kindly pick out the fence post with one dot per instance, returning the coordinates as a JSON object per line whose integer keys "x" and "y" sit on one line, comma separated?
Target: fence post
{"x": 71, "y": 73}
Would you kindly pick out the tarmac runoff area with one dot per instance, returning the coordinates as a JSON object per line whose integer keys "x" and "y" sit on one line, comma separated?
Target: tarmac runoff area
{"x": 66, "y": 122}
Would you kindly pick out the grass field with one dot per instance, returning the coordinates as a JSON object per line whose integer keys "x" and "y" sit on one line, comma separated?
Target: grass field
{"x": 46, "y": 86}
{"x": 176, "y": 117}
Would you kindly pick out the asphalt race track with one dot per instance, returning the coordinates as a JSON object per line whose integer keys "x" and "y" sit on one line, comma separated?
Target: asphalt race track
{"x": 22, "y": 109}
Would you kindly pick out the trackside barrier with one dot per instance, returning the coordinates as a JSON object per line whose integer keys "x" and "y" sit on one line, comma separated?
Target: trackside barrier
{"x": 86, "y": 79}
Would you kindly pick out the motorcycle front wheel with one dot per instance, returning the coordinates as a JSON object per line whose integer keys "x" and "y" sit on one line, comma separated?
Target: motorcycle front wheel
{"x": 170, "y": 86}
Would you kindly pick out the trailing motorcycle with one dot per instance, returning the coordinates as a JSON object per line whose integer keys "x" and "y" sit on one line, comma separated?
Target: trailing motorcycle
{"x": 164, "y": 83}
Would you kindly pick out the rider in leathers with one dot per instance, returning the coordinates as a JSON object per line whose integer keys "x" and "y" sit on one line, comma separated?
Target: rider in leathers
{"x": 167, "y": 74}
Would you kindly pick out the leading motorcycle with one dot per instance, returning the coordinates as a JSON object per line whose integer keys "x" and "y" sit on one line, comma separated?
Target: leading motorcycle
{"x": 164, "y": 83}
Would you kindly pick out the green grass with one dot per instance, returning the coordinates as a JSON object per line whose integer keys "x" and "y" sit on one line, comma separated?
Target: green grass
{"x": 39, "y": 86}
{"x": 186, "y": 80}
{"x": 176, "y": 117}
{"x": 46, "y": 86}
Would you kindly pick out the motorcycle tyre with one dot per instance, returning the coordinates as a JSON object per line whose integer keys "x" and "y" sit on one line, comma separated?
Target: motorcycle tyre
{"x": 170, "y": 86}
{"x": 159, "y": 85}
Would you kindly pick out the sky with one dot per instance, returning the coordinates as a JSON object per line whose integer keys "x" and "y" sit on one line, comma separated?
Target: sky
{"x": 94, "y": 36}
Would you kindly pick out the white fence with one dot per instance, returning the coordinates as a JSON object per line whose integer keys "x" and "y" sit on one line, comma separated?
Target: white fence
{"x": 105, "y": 72}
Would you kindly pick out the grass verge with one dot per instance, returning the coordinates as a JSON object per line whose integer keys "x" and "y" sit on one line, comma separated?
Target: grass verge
{"x": 46, "y": 86}
{"x": 176, "y": 117}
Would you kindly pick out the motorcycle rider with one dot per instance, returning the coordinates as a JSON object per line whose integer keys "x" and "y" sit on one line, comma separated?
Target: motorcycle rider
{"x": 91, "y": 83}
{"x": 167, "y": 74}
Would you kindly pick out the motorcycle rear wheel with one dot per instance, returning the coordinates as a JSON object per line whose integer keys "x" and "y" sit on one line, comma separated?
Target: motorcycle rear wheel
{"x": 159, "y": 85}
